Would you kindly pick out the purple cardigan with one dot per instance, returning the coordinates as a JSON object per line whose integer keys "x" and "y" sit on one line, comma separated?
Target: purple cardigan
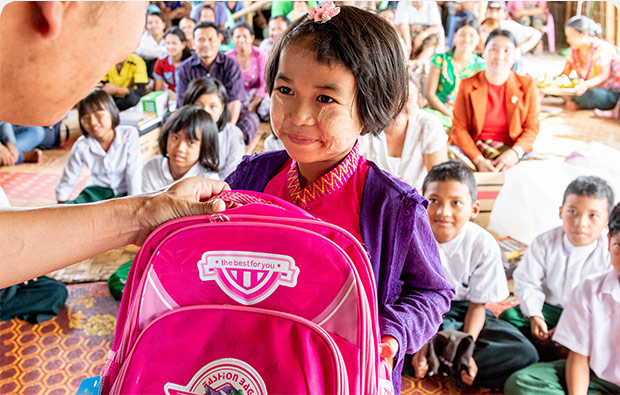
{"x": 413, "y": 293}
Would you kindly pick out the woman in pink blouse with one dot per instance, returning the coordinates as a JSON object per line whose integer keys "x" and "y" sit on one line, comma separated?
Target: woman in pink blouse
{"x": 252, "y": 63}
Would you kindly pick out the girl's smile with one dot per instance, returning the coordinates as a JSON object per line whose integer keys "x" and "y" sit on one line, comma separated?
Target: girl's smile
{"x": 314, "y": 111}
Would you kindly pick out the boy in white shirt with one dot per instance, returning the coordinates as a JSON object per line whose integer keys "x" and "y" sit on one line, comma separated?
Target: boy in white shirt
{"x": 589, "y": 328}
{"x": 558, "y": 260}
{"x": 471, "y": 261}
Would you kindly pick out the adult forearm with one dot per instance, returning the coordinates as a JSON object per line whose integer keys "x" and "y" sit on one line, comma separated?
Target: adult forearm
{"x": 531, "y": 42}
{"x": 50, "y": 238}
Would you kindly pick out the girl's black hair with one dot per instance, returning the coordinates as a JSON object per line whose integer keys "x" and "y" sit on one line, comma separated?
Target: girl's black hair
{"x": 365, "y": 44}
{"x": 243, "y": 25}
{"x": 157, "y": 14}
{"x": 466, "y": 22}
{"x": 179, "y": 33}
{"x": 501, "y": 33}
{"x": 584, "y": 24}
{"x": 204, "y": 86}
{"x": 193, "y": 121}
{"x": 96, "y": 100}
{"x": 614, "y": 221}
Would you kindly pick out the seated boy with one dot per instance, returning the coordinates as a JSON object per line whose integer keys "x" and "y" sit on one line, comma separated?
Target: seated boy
{"x": 589, "y": 328}
{"x": 471, "y": 261}
{"x": 558, "y": 260}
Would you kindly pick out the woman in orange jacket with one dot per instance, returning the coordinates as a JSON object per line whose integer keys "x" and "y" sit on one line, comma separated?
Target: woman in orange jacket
{"x": 496, "y": 110}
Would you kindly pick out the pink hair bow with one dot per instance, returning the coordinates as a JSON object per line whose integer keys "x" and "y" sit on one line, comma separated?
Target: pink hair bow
{"x": 323, "y": 12}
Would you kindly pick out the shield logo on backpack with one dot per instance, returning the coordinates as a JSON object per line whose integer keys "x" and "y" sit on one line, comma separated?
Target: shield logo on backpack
{"x": 248, "y": 277}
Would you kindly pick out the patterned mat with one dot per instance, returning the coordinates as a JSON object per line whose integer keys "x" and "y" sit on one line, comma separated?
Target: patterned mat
{"x": 53, "y": 357}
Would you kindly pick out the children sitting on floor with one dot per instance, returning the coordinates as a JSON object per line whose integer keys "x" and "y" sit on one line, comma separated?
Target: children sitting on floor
{"x": 188, "y": 145}
{"x": 110, "y": 151}
{"x": 558, "y": 260}
{"x": 589, "y": 328}
{"x": 472, "y": 263}
{"x": 210, "y": 94}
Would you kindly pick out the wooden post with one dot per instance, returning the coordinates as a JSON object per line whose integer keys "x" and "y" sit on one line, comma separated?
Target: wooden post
{"x": 610, "y": 25}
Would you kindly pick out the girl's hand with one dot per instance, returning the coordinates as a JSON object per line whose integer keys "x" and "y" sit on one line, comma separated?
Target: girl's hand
{"x": 468, "y": 376}
{"x": 506, "y": 160}
{"x": 387, "y": 350}
{"x": 539, "y": 329}
{"x": 420, "y": 362}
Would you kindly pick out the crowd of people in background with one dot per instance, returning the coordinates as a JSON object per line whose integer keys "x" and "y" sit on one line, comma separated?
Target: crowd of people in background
{"x": 469, "y": 108}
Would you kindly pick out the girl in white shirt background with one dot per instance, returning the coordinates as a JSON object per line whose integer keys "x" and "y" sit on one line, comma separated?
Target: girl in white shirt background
{"x": 110, "y": 151}
{"x": 189, "y": 148}
{"x": 411, "y": 145}
{"x": 152, "y": 44}
{"x": 210, "y": 95}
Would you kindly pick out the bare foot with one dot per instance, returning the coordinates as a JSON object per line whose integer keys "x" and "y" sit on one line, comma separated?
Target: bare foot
{"x": 613, "y": 114}
{"x": 571, "y": 105}
{"x": 33, "y": 156}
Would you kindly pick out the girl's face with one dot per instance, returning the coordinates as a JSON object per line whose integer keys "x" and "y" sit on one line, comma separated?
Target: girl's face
{"x": 276, "y": 28}
{"x": 576, "y": 39}
{"x": 466, "y": 39}
{"x": 314, "y": 108}
{"x": 211, "y": 103}
{"x": 97, "y": 123}
{"x": 187, "y": 25}
{"x": 499, "y": 54}
{"x": 155, "y": 25}
{"x": 174, "y": 45}
{"x": 182, "y": 153}
{"x": 242, "y": 38}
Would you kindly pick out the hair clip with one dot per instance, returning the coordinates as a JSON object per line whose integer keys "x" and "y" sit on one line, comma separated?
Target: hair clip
{"x": 323, "y": 12}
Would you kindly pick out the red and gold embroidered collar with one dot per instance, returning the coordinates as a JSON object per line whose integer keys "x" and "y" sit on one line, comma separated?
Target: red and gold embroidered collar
{"x": 328, "y": 183}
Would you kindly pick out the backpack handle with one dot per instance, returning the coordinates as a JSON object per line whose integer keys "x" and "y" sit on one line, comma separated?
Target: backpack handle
{"x": 243, "y": 198}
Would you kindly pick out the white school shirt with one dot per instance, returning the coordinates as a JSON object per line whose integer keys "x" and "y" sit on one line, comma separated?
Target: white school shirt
{"x": 472, "y": 263}
{"x": 273, "y": 144}
{"x": 425, "y": 135}
{"x": 156, "y": 174}
{"x": 590, "y": 324}
{"x": 552, "y": 267}
{"x": 428, "y": 14}
{"x": 232, "y": 148}
{"x": 119, "y": 169}
{"x": 151, "y": 49}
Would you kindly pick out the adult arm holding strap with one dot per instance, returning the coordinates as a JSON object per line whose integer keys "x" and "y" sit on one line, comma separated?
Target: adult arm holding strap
{"x": 34, "y": 242}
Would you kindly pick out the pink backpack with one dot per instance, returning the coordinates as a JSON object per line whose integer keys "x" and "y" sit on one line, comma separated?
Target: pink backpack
{"x": 262, "y": 298}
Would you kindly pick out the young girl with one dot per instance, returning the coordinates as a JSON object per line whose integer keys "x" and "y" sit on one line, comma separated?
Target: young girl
{"x": 152, "y": 45}
{"x": 331, "y": 82}
{"x": 210, "y": 95}
{"x": 176, "y": 44}
{"x": 189, "y": 148}
{"x": 110, "y": 151}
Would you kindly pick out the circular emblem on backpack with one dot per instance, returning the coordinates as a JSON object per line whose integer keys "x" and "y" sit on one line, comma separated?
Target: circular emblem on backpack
{"x": 228, "y": 376}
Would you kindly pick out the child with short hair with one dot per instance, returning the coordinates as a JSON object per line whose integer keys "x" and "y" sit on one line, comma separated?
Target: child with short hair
{"x": 110, "y": 151}
{"x": 471, "y": 260}
{"x": 558, "y": 260}
{"x": 210, "y": 95}
{"x": 188, "y": 145}
{"x": 589, "y": 328}
{"x": 335, "y": 75}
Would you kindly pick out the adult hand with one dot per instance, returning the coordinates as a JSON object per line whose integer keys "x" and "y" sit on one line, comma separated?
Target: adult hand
{"x": 468, "y": 376}
{"x": 484, "y": 165}
{"x": 539, "y": 329}
{"x": 186, "y": 197}
{"x": 387, "y": 350}
{"x": 13, "y": 150}
{"x": 581, "y": 88}
{"x": 420, "y": 362}
{"x": 506, "y": 160}
{"x": 110, "y": 88}
{"x": 418, "y": 40}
